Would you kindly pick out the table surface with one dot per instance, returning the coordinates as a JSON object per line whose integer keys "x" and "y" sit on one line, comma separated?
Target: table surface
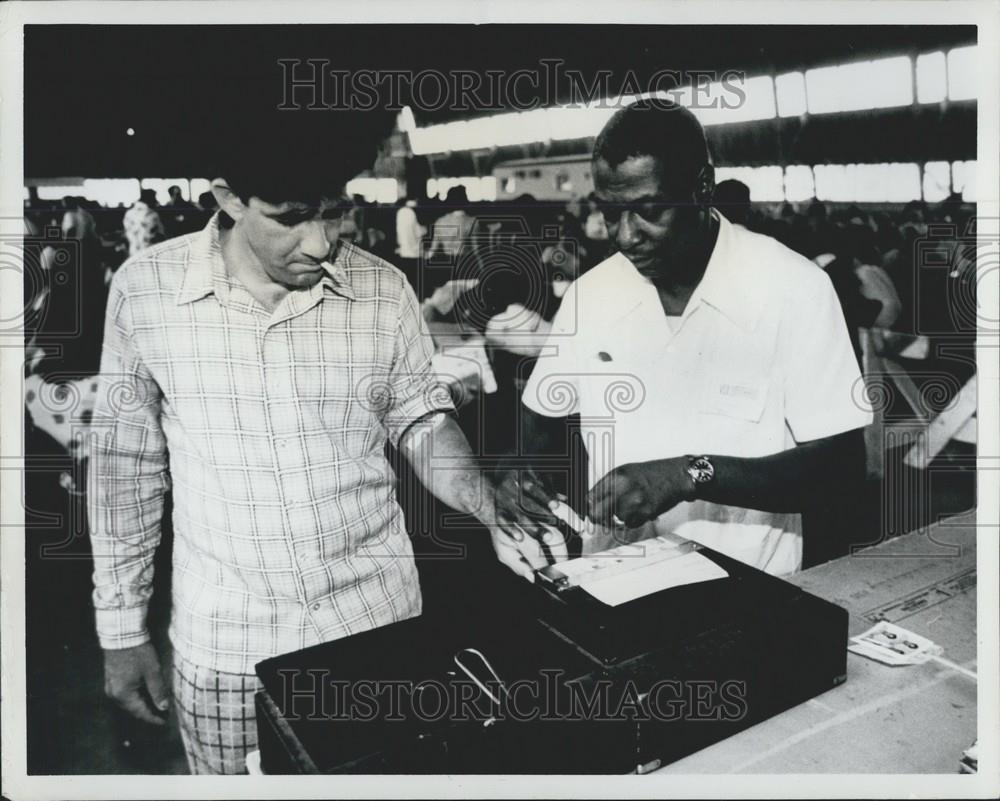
{"x": 910, "y": 719}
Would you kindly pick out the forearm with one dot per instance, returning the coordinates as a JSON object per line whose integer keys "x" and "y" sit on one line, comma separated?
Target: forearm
{"x": 442, "y": 460}
{"x": 789, "y": 481}
{"x": 126, "y": 494}
{"x": 123, "y": 583}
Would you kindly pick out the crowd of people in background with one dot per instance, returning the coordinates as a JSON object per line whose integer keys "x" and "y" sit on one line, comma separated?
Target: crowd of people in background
{"x": 501, "y": 267}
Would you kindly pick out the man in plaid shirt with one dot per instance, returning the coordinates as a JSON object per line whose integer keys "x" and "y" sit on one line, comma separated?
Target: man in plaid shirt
{"x": 257, "y": 368}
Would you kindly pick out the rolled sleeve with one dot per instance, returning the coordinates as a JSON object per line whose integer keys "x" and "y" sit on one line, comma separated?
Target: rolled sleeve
{"x": 824, "y": 391}
{"x": 127, "y": 479}
{"x": 413, "y": 389}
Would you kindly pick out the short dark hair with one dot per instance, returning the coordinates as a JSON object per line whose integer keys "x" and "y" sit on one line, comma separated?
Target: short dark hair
{"x": 297, "y": 156}
{"x": 659, "y": 128}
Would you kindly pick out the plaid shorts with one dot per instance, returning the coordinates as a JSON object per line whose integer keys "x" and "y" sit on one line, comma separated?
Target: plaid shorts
{"x": 216, "y": 715}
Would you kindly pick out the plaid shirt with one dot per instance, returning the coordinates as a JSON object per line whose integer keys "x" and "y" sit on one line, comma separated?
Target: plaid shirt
{"x": 287, "y": 528}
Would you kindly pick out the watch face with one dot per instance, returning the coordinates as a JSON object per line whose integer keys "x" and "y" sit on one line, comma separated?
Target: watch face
{"x": 701, "y": 470}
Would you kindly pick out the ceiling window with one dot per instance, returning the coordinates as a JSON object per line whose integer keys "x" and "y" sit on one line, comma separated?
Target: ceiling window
{"x": 882, "y": 83}
{"x": 790, "y": 89}
{"x": 476, "y": 189}
{"x": 730, "y": 101}
{"x": 765, "y": 183}
{"x": 111, "y": 191}
{"x": 799, "y": 184}
{"x": 868, "y": 183}
{"x": 374, "y": 190}
{"x": 963, "y": 179}
{"x": 937, "y": 181}
{"x": 161, "y": 185}
{"x": 932, "y": 78}
{"x": 962, "y": 73}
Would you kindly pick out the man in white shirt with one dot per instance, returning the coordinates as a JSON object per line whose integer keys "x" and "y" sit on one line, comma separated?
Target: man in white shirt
{"x": 711, "y": 367}
{"x": 408, "y": 231}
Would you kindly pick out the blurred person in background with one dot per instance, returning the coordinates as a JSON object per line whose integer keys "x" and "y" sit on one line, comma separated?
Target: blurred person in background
{"x": 820, "y": 236}
{"x": 451, "y": 230}
{"x": 565, "y": 260}
{"x": 207, "y": 202}
{"x": 179, "y": 215}
{"x": 177, "y": 200}
{"x": 732, "y": 198}
{"x": 142, "y": 224}
{"x": 65, "y": 321}
{"x": 865, "y": 290}
{"x": 595, "y": 232}
{"x": 409, "y": 240}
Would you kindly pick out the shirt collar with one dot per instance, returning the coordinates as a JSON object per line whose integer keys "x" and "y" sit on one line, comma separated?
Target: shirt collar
{"x": 337, "y": 275}
{"x": 206, "y": 269}
{"x": 726, "y": 285}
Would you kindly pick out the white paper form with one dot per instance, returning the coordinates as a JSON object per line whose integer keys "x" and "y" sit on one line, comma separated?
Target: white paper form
{"x": 688, "y": 568}
{"x": 622, "y": 574}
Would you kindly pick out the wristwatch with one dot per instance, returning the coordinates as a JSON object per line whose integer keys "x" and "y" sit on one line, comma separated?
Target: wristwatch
{"x": 701, "y": 470}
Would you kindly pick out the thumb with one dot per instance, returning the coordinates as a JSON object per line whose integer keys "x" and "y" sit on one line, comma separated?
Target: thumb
{"x": 157, "y": 687}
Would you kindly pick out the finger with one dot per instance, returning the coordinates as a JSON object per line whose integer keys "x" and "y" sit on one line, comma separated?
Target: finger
{"x": 531, "y": 552}
{"x": 525, "y": 525}
{"x": 133, "y": 703}
{"x": 509, "y": 530}
{"x": 519, "y": 527}
{"x": 510, "y": 557}
{"x": 601, "y": 510}
{"x": 157, "y": 688}
{"x": 555, "y": 544}
{"x": 568, "y": 515}
{"x": 536, "y": 507}
{"x": 600, "y": 499}
{"x": 536, "y": 499}
{"x": 514, "y": 500}
{"x": 533, "y": 497}
{"x": 629, "y": 509}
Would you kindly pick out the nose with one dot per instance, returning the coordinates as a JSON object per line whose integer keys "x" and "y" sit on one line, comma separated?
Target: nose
{"x": 627, "y": 231}
{"x": 315, "y": 242}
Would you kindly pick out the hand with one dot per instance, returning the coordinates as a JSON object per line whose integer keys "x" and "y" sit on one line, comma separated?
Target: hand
{"x": 523, "y": 554}
{"x": 523, "y": 502}
{"x": 127, "y": 672}
{"x": 523, "y": 523}
{"x": 635, "y": 493}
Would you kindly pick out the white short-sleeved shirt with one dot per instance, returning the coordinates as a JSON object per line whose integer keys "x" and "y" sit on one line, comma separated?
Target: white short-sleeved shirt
{"x": 760, "y": 360}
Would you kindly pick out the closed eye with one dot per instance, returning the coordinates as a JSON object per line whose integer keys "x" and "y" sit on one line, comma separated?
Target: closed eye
{"x": 293, "y": 218}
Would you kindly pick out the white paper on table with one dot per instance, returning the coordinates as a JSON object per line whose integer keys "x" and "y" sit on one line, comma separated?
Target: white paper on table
{"x": 890, "y": 644}
{"x": 689, "y": 568}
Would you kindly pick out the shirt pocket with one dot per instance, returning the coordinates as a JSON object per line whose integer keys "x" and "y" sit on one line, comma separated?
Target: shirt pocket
{"x": 735, "y": 396}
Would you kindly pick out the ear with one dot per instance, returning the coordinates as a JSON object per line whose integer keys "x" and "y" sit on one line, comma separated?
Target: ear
{"x": 228, "y": 200}
{"x": 704, "y": 187}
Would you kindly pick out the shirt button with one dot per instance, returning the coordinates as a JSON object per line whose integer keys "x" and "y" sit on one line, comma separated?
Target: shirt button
{"x": 282, "y": 443}
{"x": 316, "y": 607}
